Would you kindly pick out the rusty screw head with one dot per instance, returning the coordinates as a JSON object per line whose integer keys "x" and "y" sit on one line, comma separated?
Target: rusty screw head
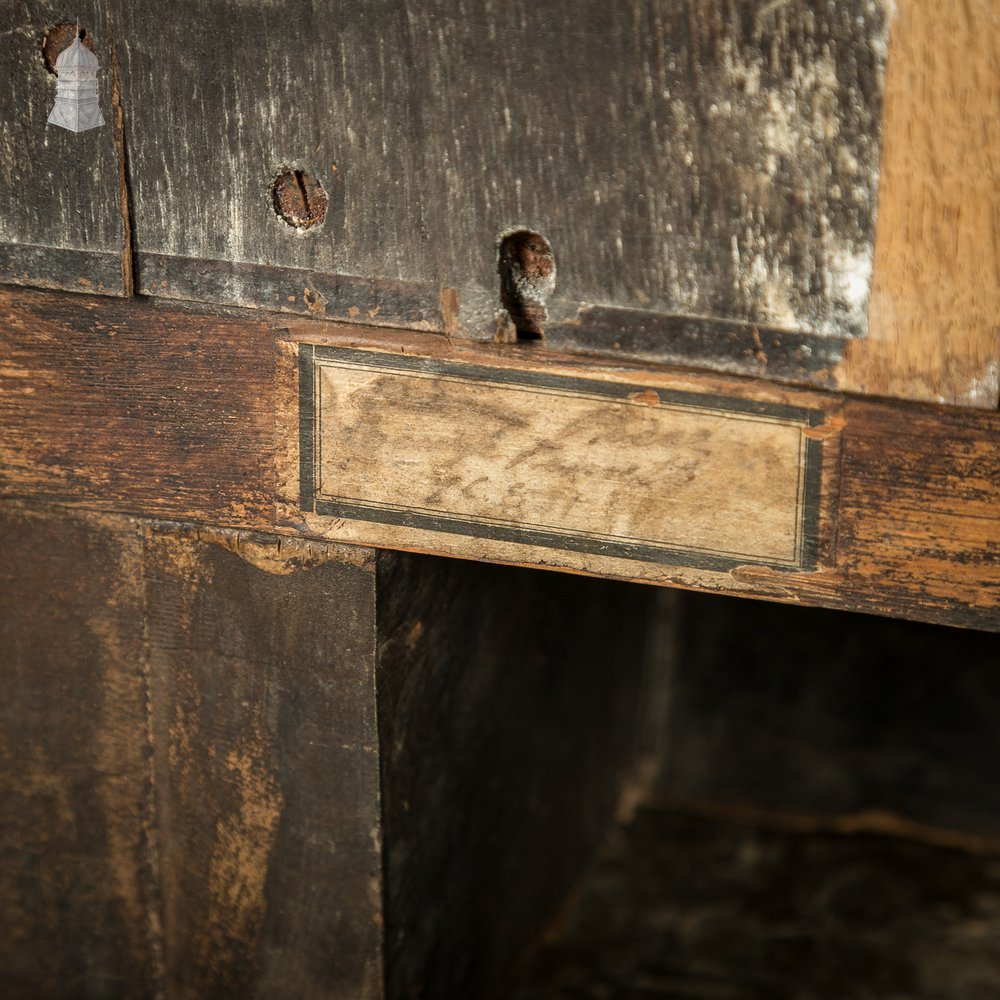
{"x": 532, "y": 254}
{"x": 61, "y": 37}
{"x": 299, "y": 199}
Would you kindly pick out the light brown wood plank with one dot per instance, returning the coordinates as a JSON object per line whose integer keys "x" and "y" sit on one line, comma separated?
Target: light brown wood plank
{"x": 554, "y": 461}
{"x": 908, "y": 519}
{"x": 934, "y": 314}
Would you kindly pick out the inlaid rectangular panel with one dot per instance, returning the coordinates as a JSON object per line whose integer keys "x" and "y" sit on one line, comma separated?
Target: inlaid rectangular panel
{"x": 607, "y": 468}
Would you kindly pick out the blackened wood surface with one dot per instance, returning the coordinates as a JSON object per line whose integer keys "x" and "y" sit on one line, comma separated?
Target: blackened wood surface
{"x": 77, "y": 878}
{"x": 509, "y": 704}
{"x": 188, "y": 763}
{"x": 765, "y": 351}
{"x": 261, "y": 659}
{"x": 821, "y": 713}
{"x": 61, "y": 221}
{"x": 705, "y": 158}
{"x": 256, "y": 88}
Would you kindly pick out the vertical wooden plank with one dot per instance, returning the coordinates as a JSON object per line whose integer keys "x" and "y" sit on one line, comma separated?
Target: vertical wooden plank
{"x": 508, "y": 714}
{"x": 261, "y": 654}
{"x": 934, "y": 317}
{"x": 254, "y": 89}
{"x": 705, "y": 158}
{"x": 62, "y": 223}
{"x": 78, "y": 914}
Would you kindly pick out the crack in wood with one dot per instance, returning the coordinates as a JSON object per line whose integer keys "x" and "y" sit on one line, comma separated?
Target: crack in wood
{"x": 124, "y": 185}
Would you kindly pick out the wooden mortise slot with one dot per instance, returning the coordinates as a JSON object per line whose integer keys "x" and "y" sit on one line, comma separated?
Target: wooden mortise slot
{"x": 527, "y": 270}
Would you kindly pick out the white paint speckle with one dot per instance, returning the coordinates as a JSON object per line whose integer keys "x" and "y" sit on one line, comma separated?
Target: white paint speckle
{"x": 983, "y": 390}
{"x": 852, "y": 274}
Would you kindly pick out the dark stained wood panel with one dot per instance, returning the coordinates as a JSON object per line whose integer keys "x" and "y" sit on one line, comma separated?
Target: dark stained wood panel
{"x": 255, "y": 89}
{"x": 509, "y": 705}
{"x": 701, "y": 158}
{"x": 191, "y": 739}
{"x": 695, "y": 906}
{"x": 188, "y": 762}
{"x": 77, "y": 878}
{"x": 704, "y": 157}
{"x": 261, "y": 658}
{"x": 61, "y": 211}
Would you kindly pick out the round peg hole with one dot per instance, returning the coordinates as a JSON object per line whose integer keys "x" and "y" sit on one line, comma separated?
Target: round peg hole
{"x": 299, "y": 199}
{"x": 60, "y": 37}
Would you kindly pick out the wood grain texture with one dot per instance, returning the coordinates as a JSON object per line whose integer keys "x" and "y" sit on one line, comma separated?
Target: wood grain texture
{"x": 688, "y": 172}
{"x": 218, "y": 747}
{"x": 77, "y": 877}
{"x": 934, "y": 316}
{"x": 920, "y": 500}
{"x": 142, "y": 408}
{"x": 61, "y": 224}
{"x": 705, "y": 158}
{"x": 188, "y": 762}
{"x": 261, "y": 659}
{"x": 255, "y": 89}
{"x": 908, "y": 502}
{"x": 714, "y": 161}
{"x": 909, "y": 510}
{"x": 508, "y": 710}
{"x": 579, "y": 464}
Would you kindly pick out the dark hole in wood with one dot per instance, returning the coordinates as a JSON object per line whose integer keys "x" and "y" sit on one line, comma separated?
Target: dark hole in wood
{"x": 299, "y": 199}
{"x": 527, "y": 278}
{"x": 60, "y": 37}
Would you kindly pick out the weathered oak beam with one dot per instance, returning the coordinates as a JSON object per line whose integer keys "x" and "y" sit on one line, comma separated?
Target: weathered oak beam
{"x": 628, "y": 471}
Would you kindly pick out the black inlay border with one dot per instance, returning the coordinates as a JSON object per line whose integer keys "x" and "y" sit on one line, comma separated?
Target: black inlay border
{"x": 311, "y": 358}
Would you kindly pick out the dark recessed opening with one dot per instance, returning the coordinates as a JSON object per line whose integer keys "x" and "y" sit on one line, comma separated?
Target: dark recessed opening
{"x": 61, "y": 37}
{"x": 527, "y": 270}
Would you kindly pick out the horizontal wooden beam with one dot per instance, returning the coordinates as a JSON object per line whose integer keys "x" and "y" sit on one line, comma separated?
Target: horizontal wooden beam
{"x": 501, "y": 453}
